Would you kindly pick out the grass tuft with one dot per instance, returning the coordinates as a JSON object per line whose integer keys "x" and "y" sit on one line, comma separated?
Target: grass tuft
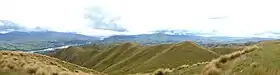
{"x": 162, "y": 72}
{"x": 215, "y": 66}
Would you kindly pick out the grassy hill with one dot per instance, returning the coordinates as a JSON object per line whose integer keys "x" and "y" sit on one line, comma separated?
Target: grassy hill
{"x": 259, "y": 59}
{"x": 133, "y": 58}
{"x": 261, "y": 62}
{"x": 21, "y": 63}
{"x": 185, "y": 58}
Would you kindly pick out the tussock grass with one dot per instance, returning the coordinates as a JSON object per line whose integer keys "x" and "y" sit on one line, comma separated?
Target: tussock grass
{"x": 15, "y": 62}
{"x": 162, "y": 71}
{"x": 170, "y": 71}
{"x": 133, "y": 58}
{"x": 215, "y": 66}
{"x": 226, "y": 50}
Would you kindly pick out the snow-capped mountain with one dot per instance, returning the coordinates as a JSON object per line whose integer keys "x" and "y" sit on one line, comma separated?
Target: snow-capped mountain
{"x": 267, "y": 34}
{"x": 183, "y": 32}
{"x": 173, "y": 32}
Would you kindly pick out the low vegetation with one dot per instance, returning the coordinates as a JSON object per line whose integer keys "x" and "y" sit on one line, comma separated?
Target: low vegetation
{"x": 21, "y": 63}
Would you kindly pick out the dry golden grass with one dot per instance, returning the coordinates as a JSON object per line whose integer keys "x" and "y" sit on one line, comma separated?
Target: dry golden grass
{"x": 170, "y": 71}
{"x": 133, "y": 58}
{"x": 214, "y": 67}
{"x": 262, "y": 61}
{"x": 15, "y": 62}
{"x": 178, "y": 59}
{"x": 226, "y": 50}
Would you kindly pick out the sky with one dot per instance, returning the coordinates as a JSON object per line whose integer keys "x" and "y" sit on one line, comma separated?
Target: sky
{"x": 225, "y": 17}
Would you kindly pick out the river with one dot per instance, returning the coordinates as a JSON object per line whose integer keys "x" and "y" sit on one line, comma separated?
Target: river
{"x": 43, "y": 51}
{"x": 48, "y": 49}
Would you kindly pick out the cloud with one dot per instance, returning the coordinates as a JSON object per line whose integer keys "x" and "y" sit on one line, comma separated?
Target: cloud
{"x": 98, "y": 19}
{"x": 58, "y": 15}
{"x": 219, "y": 17}
{"x": 6, "y": 25}
{"x": 243, "y": 17}
{"x": 45, "y": 13}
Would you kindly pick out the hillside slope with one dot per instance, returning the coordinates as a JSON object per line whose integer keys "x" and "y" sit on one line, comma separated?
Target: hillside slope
{"x": 261, "y": 59}
{"x": 130, "y": 58}
{"x": 21, "y": 63}
{"x": 261, "y": 62}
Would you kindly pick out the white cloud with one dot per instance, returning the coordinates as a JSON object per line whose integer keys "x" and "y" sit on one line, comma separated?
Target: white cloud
{"x": 243, "y": 17}
{"x": 1, "y": 23}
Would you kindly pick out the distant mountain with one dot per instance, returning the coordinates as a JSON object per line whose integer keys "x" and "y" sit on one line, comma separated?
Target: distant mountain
{"x": 17, "y": 40}
{"x": 16, "y": 37}
{"x": 44, "y": 35}
{"x": 151, "y": 38}
{"x": 171, "y": 36}
{"x": 270, "y": 34}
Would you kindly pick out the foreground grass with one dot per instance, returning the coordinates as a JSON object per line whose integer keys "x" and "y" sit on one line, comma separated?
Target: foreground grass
{"x": 20, "y": 63}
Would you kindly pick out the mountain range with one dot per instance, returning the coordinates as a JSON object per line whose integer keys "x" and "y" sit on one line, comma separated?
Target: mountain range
{"x": 17, "y": 37}
{"x": 41, "y": 40}
{"x": 164, "y": 37}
